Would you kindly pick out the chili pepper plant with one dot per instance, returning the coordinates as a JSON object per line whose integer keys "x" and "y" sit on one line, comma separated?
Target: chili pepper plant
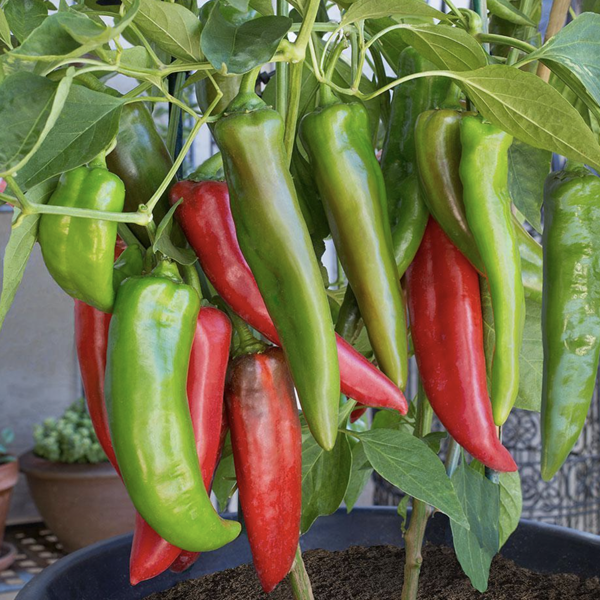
{"x": 420, "y": 142}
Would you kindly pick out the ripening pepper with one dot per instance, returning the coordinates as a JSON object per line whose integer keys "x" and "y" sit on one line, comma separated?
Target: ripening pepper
{"x": 276, "y": 243}
{"x": 266, "y": 439}
{"x": 79, "y": 252}
{"x": 484, "y": 175}
{"x": 205, "y": 217}
{"x": 447, "y": 332}
{"x": 438, "y": 152}
{"x": 338, "y": 141}
{"x": 570, "y": 309}
{"x": 149, "y": 347}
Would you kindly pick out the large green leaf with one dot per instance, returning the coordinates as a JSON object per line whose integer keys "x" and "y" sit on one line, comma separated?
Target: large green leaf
{"x": 359, "y": 476}
{"x": 24, "y": 16}
{"x": 531, "y": 358}
{"x": 86, "y": 126}
{"x": 325, "y": 477}
{"x": 475, "y": 547}
{"x": 523, "y": 105}
{"x": 409, "y": 464}
{"x": 376, "y": 9}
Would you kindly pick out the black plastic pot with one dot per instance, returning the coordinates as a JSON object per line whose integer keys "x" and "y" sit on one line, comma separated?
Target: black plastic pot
{"x": 100, "y": 572}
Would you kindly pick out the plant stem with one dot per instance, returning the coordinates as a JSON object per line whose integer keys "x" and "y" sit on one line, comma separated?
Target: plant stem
{"x": 175, "y": 114}
{"x": 299, "y": 580}
{"x": 281, "y": 81}
{"x": 480, "y": 7}
{"x": 421, "y": 511}
{"x": 558, "y": 16}
{"x": 506, "y": 41}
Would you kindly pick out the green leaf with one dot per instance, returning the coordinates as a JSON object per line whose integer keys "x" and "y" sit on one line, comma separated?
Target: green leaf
{"x": 264, "y": 7}
{"x": 409, "y": 464}
{"x": 392, "y": 419}
{"x": 375, "y": 9}
{"x": 576, "y": 47}
{"x": 24, "y": 16}
{"x": 527, "y": 171}
{"x": 393, "y": 43}
{"x": 233, "y": 47}
{"x": 475, "y": 548}
{"x": 27, "y": 124}
{"x": 164, "y": 244}
{"x": 325, "y": 478}
{"x": 172, "y": 27}
{"x": 446, "y": 47}
{"x": 523, "y": 105}
{"x": 531, "y": 358}
{"x": 224, "y": 480}
{"x": 509, "y": 12}
{"x": 19, "y": 247}
{"x": 86, "y": 126}
{"x": 359, "y": 476}
{"x": 4, "y": 30}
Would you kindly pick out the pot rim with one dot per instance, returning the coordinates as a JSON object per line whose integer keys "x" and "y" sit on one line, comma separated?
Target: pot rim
{"x": 42, "y": 468}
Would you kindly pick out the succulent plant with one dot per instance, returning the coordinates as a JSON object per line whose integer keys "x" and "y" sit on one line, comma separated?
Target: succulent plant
{"x": 6, "y": 438}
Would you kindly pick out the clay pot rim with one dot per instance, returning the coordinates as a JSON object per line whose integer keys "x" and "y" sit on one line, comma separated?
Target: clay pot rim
{"x": 45, "y": 469}
{"x": 9, "y": 475}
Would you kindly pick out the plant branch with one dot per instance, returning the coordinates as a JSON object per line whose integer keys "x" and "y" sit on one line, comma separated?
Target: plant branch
{"x": 299, "y": 580}
{"x": 281, "y": 80}
{"x": 506, "y": 41}
{"x": 558, "y": 16}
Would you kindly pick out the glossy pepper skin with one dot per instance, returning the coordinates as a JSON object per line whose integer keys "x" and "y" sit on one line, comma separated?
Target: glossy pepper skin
{"x": 484, "y": 175}
{"x": 447, "y": 332}
{"x": 149, "y": 346}
{"x": 205, "y": 217}
{"x": 438, "y": 151}
{"x": 570, "y": 309}
{"x": 79, "y": 252}
{"x": 352, "y": 188}
{"x": 276, "y": 243}
{"x": 266, "y": 438}
{"x": 142, "y": 161}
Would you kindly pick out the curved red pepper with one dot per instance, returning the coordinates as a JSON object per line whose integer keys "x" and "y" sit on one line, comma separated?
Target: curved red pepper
{"x": 447, "y": 333}
{"x": 205, "y": 217}
{"x": 266, "y": 438}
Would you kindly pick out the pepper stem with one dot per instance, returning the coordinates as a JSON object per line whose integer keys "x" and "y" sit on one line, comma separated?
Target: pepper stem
{"x": 327, "y": 96}
{"x": 210, "y": 170}
{"x": 299, "y": 580}
{"x": 248, "y": 84}
{"x": 421, "y": 511}
{"x": 248, "y": 344}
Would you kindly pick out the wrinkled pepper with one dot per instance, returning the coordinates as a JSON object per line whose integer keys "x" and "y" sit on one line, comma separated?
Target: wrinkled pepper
{"x": 338, "y": 141}
{"x": 447, "y": 333}
{"x": 570, "y": 310}
{"x": 79, "y": 252}
{"x": 152, "y": 328}
{"x": 438, "y": 152}
{"x": 276, "y": 243}
{"x": 205, "y": 217}
{"x": 266, "y": 438}
{"x": 484, "y": 175}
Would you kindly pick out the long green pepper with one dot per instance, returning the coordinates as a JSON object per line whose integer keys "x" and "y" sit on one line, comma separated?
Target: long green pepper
{"x": 484, "y": 175}
{"x": 149, "y": 345}
{"x": 275, "y": 241}
{"x": 570, "y": 309}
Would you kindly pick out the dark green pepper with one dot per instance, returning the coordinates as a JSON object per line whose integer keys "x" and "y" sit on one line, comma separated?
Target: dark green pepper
{"x": 79, "y": 252}
{"x": 351, "y": 185}
{"x": 484, "y": 175}
{"x": 276, "y": 243}
{"x": 570, "y": 309}
{"x": 149, "y": 345}
{"x": 438, "y": 151}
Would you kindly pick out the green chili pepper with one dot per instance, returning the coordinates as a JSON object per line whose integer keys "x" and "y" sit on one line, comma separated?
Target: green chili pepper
{"x": 570, "y": 310}
{"x": 149, "y": 345}
{"x": 79, "y": 252}
{"x": 351, "y": 185}
{"x": 484, "y": 175}
{"x": 276, "y": 243}
{"x": 438, "y": 151}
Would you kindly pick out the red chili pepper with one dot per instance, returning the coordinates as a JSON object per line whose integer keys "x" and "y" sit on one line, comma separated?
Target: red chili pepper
{"x": 266, "y": 438}
{"x": 205, "y": 217}
{"x": 447, "y": 333}
{"x": 150, "y": 554}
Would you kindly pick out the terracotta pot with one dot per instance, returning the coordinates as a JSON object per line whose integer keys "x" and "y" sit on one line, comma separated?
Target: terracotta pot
{"x": 81, "y": 503}
{"x": 9, "y": 474}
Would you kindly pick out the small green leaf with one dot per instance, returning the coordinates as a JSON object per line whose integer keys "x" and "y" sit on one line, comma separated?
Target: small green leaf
{"x": 511, "y": 504}
{"x": 172, "y": 27}
{"x": 409, "y": 464}
{"x": 4, "y": 30}
{"x": 264, "y": 7}
{"x": 508, "y": 12}
{"x": 359, "y": 476}
{"x": 375, "y": 9}
{"x": 164, "y": 244}
{"x": 24, "y": 16}
{"x": 19, "y": 247}
{"x": 224, "y": 480}
{"x": 402, "y": 511}
{"x": 527, "y": 171}
{"x": 476, "y": 547}
{"x": 325, "y": 478}
{"x": 234, "y": 47}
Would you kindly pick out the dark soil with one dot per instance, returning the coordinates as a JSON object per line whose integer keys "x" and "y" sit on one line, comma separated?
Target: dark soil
{"x": 376, "y": 574}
